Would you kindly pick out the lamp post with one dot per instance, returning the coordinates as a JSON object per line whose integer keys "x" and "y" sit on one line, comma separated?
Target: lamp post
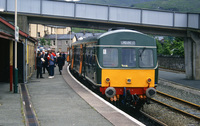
{"x": 16, "y": 39}
{"x": 56, "y": 43}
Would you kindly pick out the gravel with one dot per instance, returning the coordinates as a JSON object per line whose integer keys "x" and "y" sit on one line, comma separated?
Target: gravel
{"x": 185, "y": 93}
{"x": 168, "y": 116}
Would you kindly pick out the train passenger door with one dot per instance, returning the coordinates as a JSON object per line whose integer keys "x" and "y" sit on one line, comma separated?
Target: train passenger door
{"x": 84, "y": 61}
{"x": 81, "y": 59}
{"x": 68, "y": 54}
{"x": 72, "y": 59}
{"x": 94, "y": 64}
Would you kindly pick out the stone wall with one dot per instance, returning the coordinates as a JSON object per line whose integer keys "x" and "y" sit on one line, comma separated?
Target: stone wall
{"x": 171, "y": 62}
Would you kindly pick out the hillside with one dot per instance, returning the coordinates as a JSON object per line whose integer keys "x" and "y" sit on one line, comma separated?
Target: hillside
{"x": 126, "y": 3}
{"x": 170, "y": 5}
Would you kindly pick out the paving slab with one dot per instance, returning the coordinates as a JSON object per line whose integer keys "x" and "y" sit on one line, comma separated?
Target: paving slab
{"x": 10, "y": 107}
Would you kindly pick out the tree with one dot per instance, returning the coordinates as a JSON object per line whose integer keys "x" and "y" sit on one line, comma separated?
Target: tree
{"x": 48, "y": 42}
{"x": 178, "y": 47}
{"x": 167, "y": 48}
{"x": 171, "y": 46}
{"x": 159, "y": 47}
{"x": 42, "y": 41}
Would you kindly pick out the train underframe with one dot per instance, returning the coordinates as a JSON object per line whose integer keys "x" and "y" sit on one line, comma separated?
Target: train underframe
{"x": 127, "y": 96}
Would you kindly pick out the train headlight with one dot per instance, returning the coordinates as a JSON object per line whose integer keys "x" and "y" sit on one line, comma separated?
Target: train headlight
{"x": 128, "y": 80}
{"x": 107, "y": 80}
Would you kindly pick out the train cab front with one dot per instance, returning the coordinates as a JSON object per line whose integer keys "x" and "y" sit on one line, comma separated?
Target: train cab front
{"x": 128, "y": 74}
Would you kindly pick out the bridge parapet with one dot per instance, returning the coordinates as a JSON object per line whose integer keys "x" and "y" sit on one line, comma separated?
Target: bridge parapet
{"x": 95, "y": 12}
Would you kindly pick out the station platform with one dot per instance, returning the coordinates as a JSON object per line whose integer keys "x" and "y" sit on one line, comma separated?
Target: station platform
{"x": 179, "y": 78}
{"x": 60, "y": 101}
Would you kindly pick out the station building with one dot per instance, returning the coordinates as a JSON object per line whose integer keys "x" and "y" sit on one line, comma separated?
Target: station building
{"x": 25, "y": 61}
{"x": 60, "y": 42}
{"x": 39, "y": 30}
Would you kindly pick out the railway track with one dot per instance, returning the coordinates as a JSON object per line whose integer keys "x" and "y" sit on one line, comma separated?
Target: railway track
{"x": 184, "y": 107}
{"x": 192, "y": 110}
{"x": 158, "y": 122}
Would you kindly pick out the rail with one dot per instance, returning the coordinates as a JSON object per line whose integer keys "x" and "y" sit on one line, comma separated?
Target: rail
{"x": 188, "y": 106}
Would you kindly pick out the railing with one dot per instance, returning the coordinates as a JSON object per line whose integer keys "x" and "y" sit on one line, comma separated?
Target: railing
{"x": 103, "y": 13}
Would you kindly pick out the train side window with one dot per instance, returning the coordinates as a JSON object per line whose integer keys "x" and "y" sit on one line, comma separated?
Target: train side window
{"x": 87, "y": 53}
{"x": 90, "y": 56}
{"x": 146, "y": 57}
{"x": 128, "y": 58}
{"x": 110, "y": 57}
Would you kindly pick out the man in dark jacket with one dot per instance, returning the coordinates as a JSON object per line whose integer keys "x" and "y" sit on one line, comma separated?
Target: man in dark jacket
{"x": 60, "y": 63}
{"x": 39, "y": 65}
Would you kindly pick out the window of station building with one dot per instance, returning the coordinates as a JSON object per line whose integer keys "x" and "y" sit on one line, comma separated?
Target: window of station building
{"x": 128, "y": 58}
{"x": 146, "y": 57}
{"x": 54, "y": 42}
{"x": 38, "y": 34}
{"x": 110, "y": 57}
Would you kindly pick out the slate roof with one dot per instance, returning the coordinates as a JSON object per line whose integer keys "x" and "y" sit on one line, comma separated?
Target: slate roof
{"x": 60, "y": 36}
{"x": 9, "y": 31}
{"x": 86, "y": 35}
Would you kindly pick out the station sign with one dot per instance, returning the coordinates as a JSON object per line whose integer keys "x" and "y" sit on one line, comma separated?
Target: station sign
{"x": 16, "y": 33}
{"x": 130, "y": 43}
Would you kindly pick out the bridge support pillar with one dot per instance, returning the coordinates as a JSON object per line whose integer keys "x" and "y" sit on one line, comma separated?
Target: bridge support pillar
{"x": 188, "y": 45}
{"x": 22, "y": 22}
{"x": 192, "y": 55}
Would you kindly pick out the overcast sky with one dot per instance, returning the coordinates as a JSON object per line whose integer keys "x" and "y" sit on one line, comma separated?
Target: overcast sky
{"x": 72, "y": 0}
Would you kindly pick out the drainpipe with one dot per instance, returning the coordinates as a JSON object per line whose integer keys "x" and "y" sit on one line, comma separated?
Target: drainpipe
{"x": 26, "y": 72}
{"x": 24, "y": 62}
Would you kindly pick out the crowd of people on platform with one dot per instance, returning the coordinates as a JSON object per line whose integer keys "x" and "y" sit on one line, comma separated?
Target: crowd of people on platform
{"x": 48, "y": 61}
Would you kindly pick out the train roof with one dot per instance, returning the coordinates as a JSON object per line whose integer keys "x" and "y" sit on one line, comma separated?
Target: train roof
{"x": 86, "y": 40}
{"x": 118, "y": 31}
{"x": 108, "y": 34}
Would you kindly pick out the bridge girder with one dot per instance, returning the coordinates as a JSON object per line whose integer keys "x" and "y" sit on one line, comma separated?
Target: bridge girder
{"x": 103, "y": 25}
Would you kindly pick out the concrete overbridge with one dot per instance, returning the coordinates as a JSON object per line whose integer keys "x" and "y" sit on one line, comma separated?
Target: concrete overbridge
{"x": 94, "y": 16}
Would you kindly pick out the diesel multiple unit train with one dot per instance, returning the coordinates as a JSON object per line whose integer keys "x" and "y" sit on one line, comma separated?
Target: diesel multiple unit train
{"x": 122, "y": 64}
